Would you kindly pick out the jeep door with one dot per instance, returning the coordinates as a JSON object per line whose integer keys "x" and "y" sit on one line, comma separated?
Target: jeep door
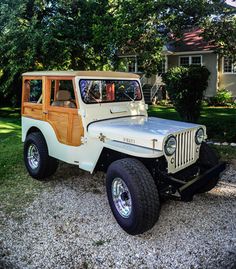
{"x": 61, "y": 110}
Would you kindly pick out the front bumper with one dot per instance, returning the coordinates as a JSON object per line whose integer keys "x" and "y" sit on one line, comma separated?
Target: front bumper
{"x": 186, "y": 190}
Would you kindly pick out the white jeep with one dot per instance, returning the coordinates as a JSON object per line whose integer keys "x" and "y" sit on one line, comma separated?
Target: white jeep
{"x": 99, "y": 121}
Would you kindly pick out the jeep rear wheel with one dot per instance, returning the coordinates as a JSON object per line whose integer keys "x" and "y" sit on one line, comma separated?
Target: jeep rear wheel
{"x": 132, "y": 195}
{"x": 37, "y": 161}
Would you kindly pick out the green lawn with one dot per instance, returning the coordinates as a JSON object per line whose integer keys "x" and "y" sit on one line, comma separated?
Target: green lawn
{"x": 17, "y": 189}
{"x": 220, "y": 121}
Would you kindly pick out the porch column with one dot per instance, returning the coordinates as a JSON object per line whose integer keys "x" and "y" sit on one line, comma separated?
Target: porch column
{"x": 166, "y": 63}
{"x": 136, "y": 65}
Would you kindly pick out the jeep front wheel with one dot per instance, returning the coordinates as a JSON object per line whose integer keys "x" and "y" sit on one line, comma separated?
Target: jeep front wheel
{"x": 132, "y": 195}
{"x": 37, "y": 161}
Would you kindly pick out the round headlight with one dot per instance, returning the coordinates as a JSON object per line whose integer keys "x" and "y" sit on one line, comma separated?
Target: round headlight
{"x": 170, "y": 146}
{"x": 199, "y": 136}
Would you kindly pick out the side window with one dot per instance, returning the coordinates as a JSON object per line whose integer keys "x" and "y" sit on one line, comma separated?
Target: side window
{"x": 62, "y": 94}
{"x": 33, "y": 91}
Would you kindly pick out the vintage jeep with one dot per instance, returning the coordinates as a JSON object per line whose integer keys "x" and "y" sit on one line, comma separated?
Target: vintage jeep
{"x": 99, "y": 121}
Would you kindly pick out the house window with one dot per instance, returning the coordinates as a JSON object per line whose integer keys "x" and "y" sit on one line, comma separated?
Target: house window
{"x": 131, "y": 65}
{"x": 229, "y": 66}
{"x": 184, "y": 61}
{"x": 190, "y": 60}
{"x": 196, "y": 60}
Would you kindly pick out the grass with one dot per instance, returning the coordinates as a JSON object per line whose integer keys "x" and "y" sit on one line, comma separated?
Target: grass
{"x": 227, "y": 153}
{"x": 17, "y": 189}
{"x": 220, "y": 121}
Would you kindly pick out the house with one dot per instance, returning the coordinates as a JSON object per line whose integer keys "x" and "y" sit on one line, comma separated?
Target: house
{"x": 191, "y": 49}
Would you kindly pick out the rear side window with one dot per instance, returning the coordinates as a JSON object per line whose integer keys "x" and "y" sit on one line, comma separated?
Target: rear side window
{"x": 33, "y": 91}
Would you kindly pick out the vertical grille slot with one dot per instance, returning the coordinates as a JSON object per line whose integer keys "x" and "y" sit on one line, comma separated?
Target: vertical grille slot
{"x": 184, "y": 148}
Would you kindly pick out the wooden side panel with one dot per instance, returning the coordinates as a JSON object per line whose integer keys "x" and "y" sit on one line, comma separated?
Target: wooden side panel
{"x": 77, "y": 130}
{"x": 32, "y": 110}
{"x": 59, "y": 122}
{"x": 67, "y": 125}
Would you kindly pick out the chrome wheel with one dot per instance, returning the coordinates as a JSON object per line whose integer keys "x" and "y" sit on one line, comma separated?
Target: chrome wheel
{"x": 121, "y": 197}
{"x": 33, "y": 156}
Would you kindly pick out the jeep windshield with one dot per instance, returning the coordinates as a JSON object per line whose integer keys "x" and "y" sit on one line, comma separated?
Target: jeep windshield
{"x": 104, "y": 91}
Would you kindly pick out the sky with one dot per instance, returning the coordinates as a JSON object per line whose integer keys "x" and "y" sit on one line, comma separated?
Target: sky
{"x": 231, "y": 2}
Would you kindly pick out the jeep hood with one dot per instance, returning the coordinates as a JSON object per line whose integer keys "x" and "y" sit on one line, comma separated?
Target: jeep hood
{"x": 142, "y": 131}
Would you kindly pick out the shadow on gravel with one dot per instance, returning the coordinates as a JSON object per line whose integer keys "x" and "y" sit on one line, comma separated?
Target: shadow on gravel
{"x": 6, "y": 264}
{"x": 71, "y": 177}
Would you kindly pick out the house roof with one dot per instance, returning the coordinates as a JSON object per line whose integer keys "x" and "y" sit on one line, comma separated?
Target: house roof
{"x": 190, "y": 41}
{"x": 99, "y": 74}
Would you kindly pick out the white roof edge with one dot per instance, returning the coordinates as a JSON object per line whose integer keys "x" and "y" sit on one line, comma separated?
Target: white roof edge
{"x": 111, "y": 74}
{"x": 190, "y": 52}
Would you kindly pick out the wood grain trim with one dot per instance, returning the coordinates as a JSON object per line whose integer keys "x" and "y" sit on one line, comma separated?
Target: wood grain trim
{"x": 44, "y": 84}
{"x": 63, "y": 109}
{"x": 32, "y": 78}
{"x": 22, "y": 95}
{"x": 30, "y": 104}
{"x": 32, "y": 110}
{"x": 47, "y": 94}
{"x": 70, "y": 128}
{"x": 56, "y": 132}
{"x": 26, "y": 92}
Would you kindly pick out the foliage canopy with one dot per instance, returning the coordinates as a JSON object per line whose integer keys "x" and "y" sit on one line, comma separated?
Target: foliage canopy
{"x": 89, "y": 34}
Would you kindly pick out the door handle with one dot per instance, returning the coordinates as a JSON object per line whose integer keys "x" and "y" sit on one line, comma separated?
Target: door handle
{"x": 45, "y": 112}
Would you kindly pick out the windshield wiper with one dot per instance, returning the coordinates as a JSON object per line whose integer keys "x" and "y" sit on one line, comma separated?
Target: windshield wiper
{"x": 128, "y": 96}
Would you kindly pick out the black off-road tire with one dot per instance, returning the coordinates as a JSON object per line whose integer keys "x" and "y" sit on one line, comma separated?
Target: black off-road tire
{"x": 208, "y": 158}
{"x": 47, "y": 165}
{"x": 143, "y": 191}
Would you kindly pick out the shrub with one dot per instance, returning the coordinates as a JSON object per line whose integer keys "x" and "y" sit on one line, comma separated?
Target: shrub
{"x": 185, "y": 86}
{"x": 223, "y": 97}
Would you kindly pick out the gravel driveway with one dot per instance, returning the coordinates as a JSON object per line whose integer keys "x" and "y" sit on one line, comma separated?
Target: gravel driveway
{"x": 71, "y": 226}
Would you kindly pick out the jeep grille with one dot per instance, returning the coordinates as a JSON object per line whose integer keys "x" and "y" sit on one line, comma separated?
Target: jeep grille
{"x": 185, "y": 150}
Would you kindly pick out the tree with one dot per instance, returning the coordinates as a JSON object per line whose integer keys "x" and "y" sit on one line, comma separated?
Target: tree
{"x": 48, "y": 34}
{"x": 221, "y": 31}
{"x": 89, "y": 34}
{"x": 185, "y": 86}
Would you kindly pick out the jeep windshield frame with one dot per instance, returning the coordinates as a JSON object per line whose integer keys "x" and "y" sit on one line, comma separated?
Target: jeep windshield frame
{"x": 94, "y": 91}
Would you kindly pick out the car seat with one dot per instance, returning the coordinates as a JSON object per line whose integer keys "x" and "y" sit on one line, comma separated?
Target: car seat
{"x": 63, "y": 98}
